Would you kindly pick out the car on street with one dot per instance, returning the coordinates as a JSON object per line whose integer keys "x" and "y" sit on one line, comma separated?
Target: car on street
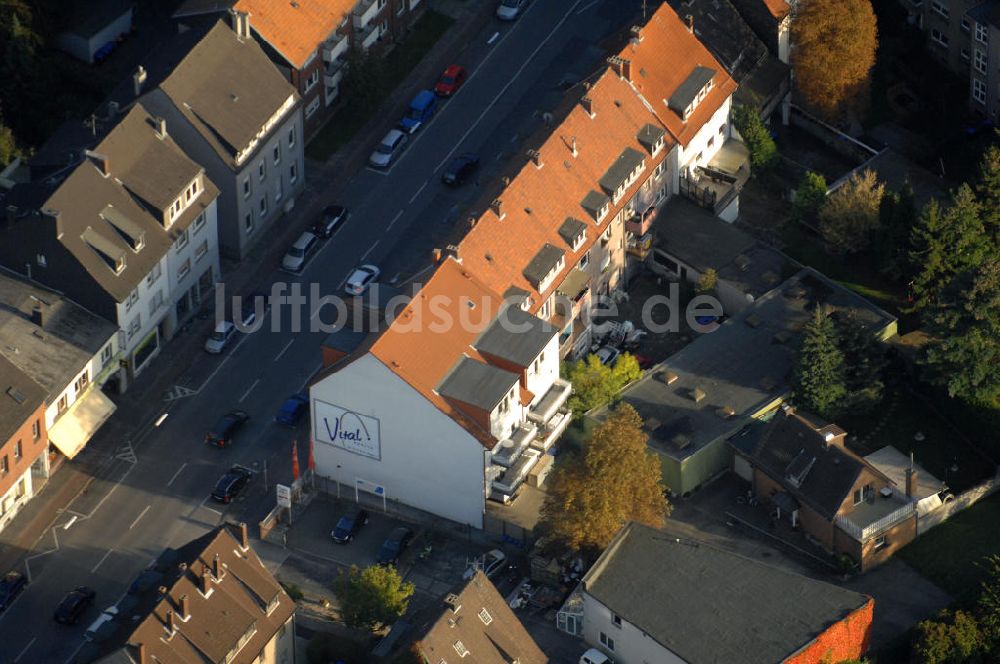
{"x": 107, "y": 615}
{"x": 608, "y": 355}
{"x": 292, "y": 410}
{"x": 460, "y": 169}
{"x": 220, "y": 338}
{"x": 595, "y": 656}
{"x": 74, "y": 605}
{"x": 221, "y": 435}
{"x": 450, "y": 81}
{"x": 333, "y": 217}
{"x": 511, "y": 9}
{"x": 394, "y": 546}
{"x": 387, "y": 151}
{"x": 419, "y": 112}
{"x": 359, "y": 280}
{"x": 295, "y": 259}
{"x": 492, "y": 562}
{"x": 11, "y": 585}
{"x": 231, "y": 483}
{"x": 348, "y": 526}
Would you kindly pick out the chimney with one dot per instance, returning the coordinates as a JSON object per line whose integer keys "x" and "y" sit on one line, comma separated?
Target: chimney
{"x": 616, "y": 64}
{"x": 689, "y": 19}
{"x": 171, "y": 622}
{"x": 36, "y": 315}
{"x": 472, "y": 222}
{"x": 588, "y": 105}
{"x": 206, "y": 581}
{"x": 138, "y": 80}
{"x": 572, "y": 140}
{"x": 185, "y": 607}
{"x": 161, "y": 128}
{"x": 452, "y": 251}
{"x": 217, "y": 568}
{"x": 241, "y": 23}
{"x": 54, "y": 216}
{"x": 100, "y": 160}
{"x": 911, "y": 479}
{"x": 143, "y": 657}
{"x": 626, "y": 72}
{"x": 244, "y": 541}
{"x": 636, "y": 31}
{"x": 436, "y": 255}
{"x": 452, "y": 602}
{"x": 536, "y": 158}
{"x": 497, "y": 208}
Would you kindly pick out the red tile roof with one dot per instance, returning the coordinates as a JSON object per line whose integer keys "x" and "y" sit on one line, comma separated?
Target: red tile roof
{"x": 295, "y": 29}
{"x": 779, "y": 8}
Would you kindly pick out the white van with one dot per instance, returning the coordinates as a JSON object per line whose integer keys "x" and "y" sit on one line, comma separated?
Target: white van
{"x": 223, "y": 334}
{"x": 595, "y": 656}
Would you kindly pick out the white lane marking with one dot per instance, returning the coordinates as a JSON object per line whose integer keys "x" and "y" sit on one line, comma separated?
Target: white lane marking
{"x": 70, "y": 522}
{"x": 510, "y": 82}
{"x": 243, "y": 337}
{"x": 141, "y": 514}
{"x": 398, "y": 215}
{"x": 21, "y": 654}
{"x": 254, "y": 384}
{"x": 367, "y": 253}
{"x": 101, "y": 561}
{"x": 380, "y": 171}
{"x": 278, "y": 356}
{"x": 27, "y": 561}
{"x": 177, "y": 473}
{"x": 416, "y": 194}
{"x": 586, "y": 7}
{"x": 493, "y": 38}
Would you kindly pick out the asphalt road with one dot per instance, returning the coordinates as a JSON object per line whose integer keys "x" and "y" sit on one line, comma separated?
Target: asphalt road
{"x": 158, "y": 497}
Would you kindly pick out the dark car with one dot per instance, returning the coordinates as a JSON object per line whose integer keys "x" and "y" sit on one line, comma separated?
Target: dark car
{"x": 460, "y": 168}
{"x": 73, "y": 605}
{"x": 293, "y": 409}
{"x": 394, "y": 546}
{"x": 451, "y": 80}
{"x": 222, "y": 433}
{"x": 11, "y": 586}
{"x": 333, "y": 217}
{"x": 230, "y": 484}
{"x": 348, "y": 526}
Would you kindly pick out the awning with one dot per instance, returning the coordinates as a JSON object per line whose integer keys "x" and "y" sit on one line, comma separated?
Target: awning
{"x": 72, "y": 431}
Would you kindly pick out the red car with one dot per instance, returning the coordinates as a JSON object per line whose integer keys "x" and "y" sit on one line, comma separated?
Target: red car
{"x": 451, "y": 80}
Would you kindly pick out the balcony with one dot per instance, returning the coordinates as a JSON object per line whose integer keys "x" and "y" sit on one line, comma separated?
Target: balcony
{"x": 333, "y": 73}
{"x": 543, "y": 409}
{"x": 716, "y": 184}
{"x": 335, "y": 47}
{"x": 872, "y": 518}
{"x": 639, "y": 246}
{"x": 513, "y": 477}
{"x": 576, "y": 288}
{"x": 640, "y": 223}
{"x": 365, "y": 12}
{"x": 369, "y": 35}
{"x": 509, "y": 449}
{"x": 554, "y": 428}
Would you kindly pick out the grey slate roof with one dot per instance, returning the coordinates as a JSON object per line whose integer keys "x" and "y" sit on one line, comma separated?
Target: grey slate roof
{"x": 543, "y": 262}
{"x": 618, "y": 173}
{"x": 227, "y": 88}
{"x": 593, "y": 202}
{"x": 19, "y": 398}
{"x": 477, "y": 384}
{"x": 689, "y": 89}
{"x": 571, "y": 229}
{"x": 55, "y": 353}
{"x": 710, "y": 606}
{"x": 649, "y": 135}
{"x": 515, "y": 336}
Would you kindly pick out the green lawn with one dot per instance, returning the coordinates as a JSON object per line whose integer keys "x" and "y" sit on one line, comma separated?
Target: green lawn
{"x": 947, "y": 554}
{"x": 350, "y": 118}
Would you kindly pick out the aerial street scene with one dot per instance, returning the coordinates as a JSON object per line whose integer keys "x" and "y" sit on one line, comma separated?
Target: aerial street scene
{"x": 500, "y": 332}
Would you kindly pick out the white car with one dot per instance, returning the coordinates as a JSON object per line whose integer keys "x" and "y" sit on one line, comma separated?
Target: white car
{"x": 492, "y": 564}
{"x": 107, "y": 615}
{"x": 595, "y": 656}
{"x": 223, "y": 334}
{"x": 510, "y": 9}
{"x": 295, "y": 260}
{"x": 360, "y": 279}
{"x": 388, "y": 149}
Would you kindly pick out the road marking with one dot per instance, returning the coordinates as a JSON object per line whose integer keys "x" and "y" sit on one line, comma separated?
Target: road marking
{"x": 493, "y": 38}
{"x": 510, "y": 82}
{"x": 277, "y": 357}
{"x": 126, "y": 453}
{"x": 205, "y": 500}
{"x": 179, "y": 392}
{"x": 177, "y": 473}
{"x": 99, "y": 562}
{"x": 21, "y": 654}
{"x": 499, "y": 156}
{"x": 398, "y": 215}
{"x": 367, "y": 253}
{"x": 253, "y": 385}
{"x": 380, "y": 171}
{"x": 160, "y": 419}
{"x": 141, "y": 514}
{"x": 586, "y": 7}
{"x": 70, "y": 522}
{"x": 416, "y": 194}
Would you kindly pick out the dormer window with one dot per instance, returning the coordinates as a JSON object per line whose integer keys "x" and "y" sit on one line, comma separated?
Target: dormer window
{"x": 543, "y": 268}
{"x": 622, "y": 173}
{"x": 129, "y": 231}
{"x": 105, "y": 249}
{"x": 691, "y": 92}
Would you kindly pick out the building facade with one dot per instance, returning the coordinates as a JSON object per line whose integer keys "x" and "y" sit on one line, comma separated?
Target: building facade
{"x": 983, "y": 51}
{"x": 23, "y": 439}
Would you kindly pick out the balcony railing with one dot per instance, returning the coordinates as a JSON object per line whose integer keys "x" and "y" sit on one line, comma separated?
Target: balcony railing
{"x": 512, "y": 478}
{"x": 333, "y": 73}
{"x": 553, "y": 399}
{"x": 640, "y": 223}
{"x": 508, "y": 450}
{"x": 553, "y": 429}
{"x": 364, "y": 12}
{"x": 369, "y": 35}
{"x": 334, "y": 47}
{"x": 875, "y": 528}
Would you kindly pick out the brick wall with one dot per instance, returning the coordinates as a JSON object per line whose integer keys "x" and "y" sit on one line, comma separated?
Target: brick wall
{"x": 31, "y": 449}
{"x": 846, "y": 639}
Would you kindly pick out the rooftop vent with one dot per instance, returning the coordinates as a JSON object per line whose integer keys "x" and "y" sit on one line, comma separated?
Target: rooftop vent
{"x": 698, "y": 395}
{"x": 753, "y": 320}
{"x": 452, "y": 602}
{"x": 725, "y": 412}
{"x": 668, "y": 377}
{"x": 781, "y": 337}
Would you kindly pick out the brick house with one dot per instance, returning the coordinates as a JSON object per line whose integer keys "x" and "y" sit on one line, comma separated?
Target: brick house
{"x": 23, "y": 438}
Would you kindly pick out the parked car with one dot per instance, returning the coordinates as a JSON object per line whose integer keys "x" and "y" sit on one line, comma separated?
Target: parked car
{"x": 231, "y": 483}
{"x": 11, "y": 586}
{"x": 419, "y": 112}
{"x": 73, "y": 605}
{"x": 107, "y": 615}
{"x": 333, "y": 217}
{"x": 394, "y": 546}
{"x": 295, "y": 260}
{"x": 348, "y": 526}
{"x": 293, "y": 409}
{"x": 511, "y": 9}
{"x": 493, "y": 562}
{"x": 595, "y": 656}
{"x": 608, "y": 355}
{"x": 387, "y": 151}
{"x": 220, "y": 338}
{"x": 460, "y": 168}
{"x": 360, "y": 279}
{"x": 451, "y": 80}
{"x": 221, "y": 435}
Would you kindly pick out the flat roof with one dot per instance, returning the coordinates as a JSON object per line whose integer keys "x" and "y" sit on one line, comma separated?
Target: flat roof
{"x": 516, "y": 336}
{"x": 473, "y": 382}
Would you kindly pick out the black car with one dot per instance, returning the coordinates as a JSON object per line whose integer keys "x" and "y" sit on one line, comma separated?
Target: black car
{"x": 394, "y": 546}
{"x": 11, "y": 586}
{"x": 230, "y": 484}
{"x": 222, "y": 433}
{"x": 460, "y": 168}
{"x": 333, "y": 217}
{"x": 348, "y": 526}
{"x": 74, "y": 604}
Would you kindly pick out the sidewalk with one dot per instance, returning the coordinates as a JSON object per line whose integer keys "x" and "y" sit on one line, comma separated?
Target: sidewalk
{"x": 143, "y": 402}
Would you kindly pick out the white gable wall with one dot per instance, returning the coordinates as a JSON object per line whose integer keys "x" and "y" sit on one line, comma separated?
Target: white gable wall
{"x": 631, "y": 644}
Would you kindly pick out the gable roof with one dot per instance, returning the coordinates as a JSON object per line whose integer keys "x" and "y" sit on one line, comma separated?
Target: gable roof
{"x": 20, "y": 397}
{"x": 495, "y": 637}
{"x": 515, "y": 336}
{"x": 295, "y": 30}
{"x": 779, "y": 8}
{"x": 713, "y": 605}
{"x": 476, "y": 383}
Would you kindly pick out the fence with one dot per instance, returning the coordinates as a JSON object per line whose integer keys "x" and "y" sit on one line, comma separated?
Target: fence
{"x": 964, "y": 500}
{"x": 863, "y": 534}
{"x": 847, "y": 146}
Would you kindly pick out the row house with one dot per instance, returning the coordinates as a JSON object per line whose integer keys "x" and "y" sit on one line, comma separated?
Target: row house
{"x": 68, "y": 351}
{"x": 982, "y": 51}
{"x": 130, "y": 234}
{"x": 232, "y": 111}
{"x": 23, "y": 440}
{"x": 453, "y": 404}
{"x": 772, "y": 21}
{"x": 947, "y": 27}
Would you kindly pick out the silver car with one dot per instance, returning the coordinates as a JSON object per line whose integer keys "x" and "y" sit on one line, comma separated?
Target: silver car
{"x": 295, "y": 260}
{"x": 510, "y": 9}
{"x": 388, "y": 149}
{"x": 360, "y": 278}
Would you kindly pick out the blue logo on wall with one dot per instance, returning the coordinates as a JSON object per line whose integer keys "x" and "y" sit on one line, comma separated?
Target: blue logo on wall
{"x": 349, "y": 430}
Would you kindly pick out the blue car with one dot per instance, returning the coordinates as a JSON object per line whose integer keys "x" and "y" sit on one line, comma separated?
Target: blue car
{"x": 292, "y": 410}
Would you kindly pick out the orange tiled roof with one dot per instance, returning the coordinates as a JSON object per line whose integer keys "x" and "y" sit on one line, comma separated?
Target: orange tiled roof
{"x": 779, "y": 8}
{"x": 667, "y": 54}
{"x": 295, "y": 29}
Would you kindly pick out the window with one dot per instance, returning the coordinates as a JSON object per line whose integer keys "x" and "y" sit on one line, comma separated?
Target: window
{"x": 400, "y": 7}
{"x": 384, "y": 28}
{"x": 154, "y": 274}
{"x": 293, "y": 172}
{"x": 484, "y": 615}
{"x": 18, "y": 453}
{"x": 459, "y": 646}
{"x": 966, "y": 26}
{"x": 616, "y": 620}
{"x": 981, "y": 33}
{"x": 979, "y": 91}
{"x": 711, "y": 141}
{"x": 277, "y": 154}
{"x": 41, "y": 260}
{"x": 200, "y": 252}
{"x": 981, "y": 61}
{"x": 278, "y": 193}
{"x": 199, "y": 222}
{"x": 262, "y": 170}
{"x": 312, "y": 80}
{"x": 133, "y": 327}
{"x": 130, "y": 301}
{"x": 939, "y": 37}
{"x": 22, "y": 489}
{"x": 607, "y": 641}
{"x": 940, "y": 9}
{"x": 605, "y": 236}
{"x": 263, "y": 207}
{"x": 183, "y": 270}
{"x": 543, "y": 313}
{"x": 311, "y": 108}
{"x": 63, "y": 403}
{"x": 155, "y": 303}
{"x": 965, "y": 54}
{"x": 246, "y": 187}
{"x": 291, "y": 137}
{"x": 36, "y": 427}
{"x": 81, "y": 383}
{"x": 381, "y": 4}
{"x": 880, "y": 542}
{"x": 584, "y": 261}
{"x": 181, "y": 240}
{"x": 4, "y": 465}
{"x": 248, "y": 223}
{"x": 105, "y": 355}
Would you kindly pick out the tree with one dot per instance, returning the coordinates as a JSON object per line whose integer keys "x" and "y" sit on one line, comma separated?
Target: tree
{"x": 707, "y": 282}
{"x": 818, "y": 375}
{"x": 8, "y": 145}
{"x": 615, "y": 479}
{"x": 595, "y": 384}
{"x": 897, "y": 215}
{"x": 364, "y": 78}
{"x": 834, "y": 43}
{"x": 954, "y": 638}
{"x": 988, "y": 190}
{"x": 864, "y": 364}
{"x": 989, "y": 605}
{"x": 809, "y": 196}
{"x": 849, "y": 215}
{"x": 372, "y": 597}
{"x": 763, "y": 151}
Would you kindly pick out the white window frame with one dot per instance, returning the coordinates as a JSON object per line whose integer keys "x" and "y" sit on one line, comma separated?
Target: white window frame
{"x": 940, "y": 9}
{"x": 201, "y": 251}
{"x": 247, "y": 189}
{"x": 182, "y": 241}
{"x": 183, "y": 270}
{"x": 981, "y": 61}
{"x": 607, "y": 641}
{"x": 979, "y": 91}
{"x": 312, "y": 80}
{"x": 293, "y": 172}
{"x": 939, "y": 38}
{"x": 982, "y": 33}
